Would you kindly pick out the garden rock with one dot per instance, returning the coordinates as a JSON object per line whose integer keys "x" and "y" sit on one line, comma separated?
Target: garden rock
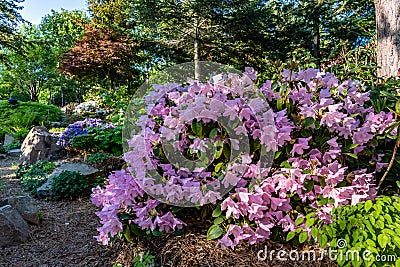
{"x": 25, "y": 207}
{"x": 56, "y": 124}
{"x": 8, "y": 140}
{"x": 13, "y": 229}
{"x": 101, "y": 112}
{"x": 83, "y": 169}
{"x": 40, "y": 145}
{"x": 15, "y": 152}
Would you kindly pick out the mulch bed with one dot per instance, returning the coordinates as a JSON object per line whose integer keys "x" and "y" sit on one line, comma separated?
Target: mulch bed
{"x": 65, "y": 235}
{"x": 65, "y": 238}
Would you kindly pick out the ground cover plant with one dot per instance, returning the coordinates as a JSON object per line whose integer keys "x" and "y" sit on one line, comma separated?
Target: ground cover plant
{"x": 324, "y": 137}
{"x": 32, "y": 176}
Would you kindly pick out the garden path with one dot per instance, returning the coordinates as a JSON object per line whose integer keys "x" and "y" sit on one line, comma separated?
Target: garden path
{"x": 65, "y": 236}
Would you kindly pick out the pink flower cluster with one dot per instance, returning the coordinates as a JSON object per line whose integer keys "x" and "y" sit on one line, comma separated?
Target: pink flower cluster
{"x": 321, "y": 131}
{"x": 339, "y": 110}
{"x": 236, "y": 104}
{"x": 122, "y": 195}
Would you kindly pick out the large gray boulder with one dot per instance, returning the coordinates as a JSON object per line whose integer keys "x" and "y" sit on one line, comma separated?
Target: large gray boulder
{"x": 8, "y": 140}
{"x": 83, "y": 169}
{"x": 25, "y": 207}
{"x": 13, "y": 229}
{"x": 40, "y": 145}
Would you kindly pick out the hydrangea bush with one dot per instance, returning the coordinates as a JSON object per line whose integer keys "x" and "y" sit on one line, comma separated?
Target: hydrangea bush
{"x": 80, "y": 128}
{"x": 322, "y": 133}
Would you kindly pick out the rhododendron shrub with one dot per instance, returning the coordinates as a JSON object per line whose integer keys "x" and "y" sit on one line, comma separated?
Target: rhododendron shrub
{"x": 322, "y": 133}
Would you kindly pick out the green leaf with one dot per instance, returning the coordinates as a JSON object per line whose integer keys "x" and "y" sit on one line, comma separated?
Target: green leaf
{"x": 389, "y": 232}
{"x": 217, "y": 211}
{"x": 368, "y": 205}
{"x": 322, "y": 240}
{"x": 314, "y": 232}
{"x": 310, "y": 222}
{"x": 213, "y": 133}
{"x": 219, "y": 220}
{"x": 352, "y": 146}
{"x": 227, "y": 151}
{"x": 299, "y": 221}
{"x": 377, "y": 208}
{"x": 218, "y": 166}
{"x": 290, "y": 236}
{"x": 214, "y": 232}
{"x": 196, "y": 128}
{"x": 351, "y": 155}
{"x": 157, "y": 233}
{"x": 397, "y": 107}
{"x": 322, "y": 202}
{"x": 383, "y": 240}
{"x": 308, "y": 122}
{"x": 388, "y": 218}
{"x": 127, "y": 234}
{"x": 218, "y": 149}
{"x": 309, "y": 185}
{"x": 396, "y": 241}
{"x": 303, "y": 237}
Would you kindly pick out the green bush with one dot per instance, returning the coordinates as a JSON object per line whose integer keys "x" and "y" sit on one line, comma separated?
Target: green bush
{"x": 82, "y": 142}
{"x": 70, "y": 119}
{"x": 34, "y": 175}
{"x": 69, "y": 185}
{"x": 371, "y": 229}
{"x": 109, "y": 140}
{"x": 98, "y": 157}
{"x": 18, "y": 120}
{"x": 100, "y": 140}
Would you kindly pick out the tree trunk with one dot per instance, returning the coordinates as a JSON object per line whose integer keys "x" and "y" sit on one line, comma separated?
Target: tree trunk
{"x": 111, "y": 85}
{"x": 33, "y": 92}
{"x": 316, "y": 33}
{"x": 388, "y": 34}
{"x": 196, "y": 49}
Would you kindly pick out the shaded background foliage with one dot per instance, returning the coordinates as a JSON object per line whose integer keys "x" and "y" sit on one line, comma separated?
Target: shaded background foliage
{"x": 148, "y": 35}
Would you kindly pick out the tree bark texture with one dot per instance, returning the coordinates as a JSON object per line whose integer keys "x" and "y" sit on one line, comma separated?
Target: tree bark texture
{"x": 196, "y": 51}
{"x": 316, "y": 33}
{"x": 388, "y": 34}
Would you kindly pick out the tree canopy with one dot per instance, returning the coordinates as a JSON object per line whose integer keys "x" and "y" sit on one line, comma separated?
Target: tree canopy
{"x": 10, "y": 19}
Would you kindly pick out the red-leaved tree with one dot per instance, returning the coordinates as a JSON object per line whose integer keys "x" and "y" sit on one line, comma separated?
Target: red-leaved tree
{"x": 101, "y": 54}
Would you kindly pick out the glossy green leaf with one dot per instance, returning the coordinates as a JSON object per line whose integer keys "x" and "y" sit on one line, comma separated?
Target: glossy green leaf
{"x": 214, "y": 232}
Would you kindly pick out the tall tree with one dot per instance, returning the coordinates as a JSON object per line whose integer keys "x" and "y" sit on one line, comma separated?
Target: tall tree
{"x": 214, "y": 30}
{"x": 388, "y": 35}
{"x": 34, "y": 73}
{"x": 115, "y": 15}
{"x": 10, "y": 19}
{"x": 101, "y": 54}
